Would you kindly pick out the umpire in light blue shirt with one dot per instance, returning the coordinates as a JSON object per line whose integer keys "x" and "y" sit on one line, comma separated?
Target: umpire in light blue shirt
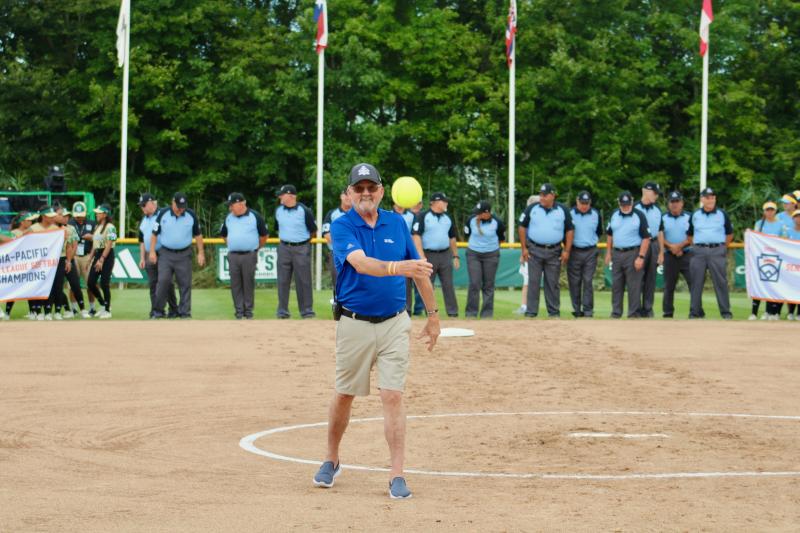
{"x": 648, "y": 206}
{"x": 485, "y": 233}
{"x": 244, "y": 231}
{"x": 676, "y": 254}
{"x": 434, "y": 234}
{"x": 295, "y": 225}
{"x": 176, "y": 225}
{"x": 149, "y": 206}
{"x": 711, "y": 232}
{"x": 545, "y": 236}
{"x": 582, "y": 263}
{"x": 327, "y": 220}
{"x": 627, "y": 243}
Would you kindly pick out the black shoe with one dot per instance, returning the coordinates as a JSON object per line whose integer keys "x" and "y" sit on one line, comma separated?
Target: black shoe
{"x": 239, "y": 317}
{"x": 92, "y": 312}
{"x": 667, "y": 315}
{"x": 283, "y": 317}
{"x": 452, "y": 316}
{"x": 530, "y": 315}
{"x": 577, "y": 314}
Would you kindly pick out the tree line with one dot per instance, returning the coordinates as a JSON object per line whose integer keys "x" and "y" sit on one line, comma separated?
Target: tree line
{"x": 223, "y": 98}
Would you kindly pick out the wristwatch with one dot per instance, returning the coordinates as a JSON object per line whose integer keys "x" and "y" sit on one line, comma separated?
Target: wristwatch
{"x": 641, "y": 256}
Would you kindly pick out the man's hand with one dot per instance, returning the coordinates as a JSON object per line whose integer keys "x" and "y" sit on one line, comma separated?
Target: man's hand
{"x": 153, "y": 257}
{"x": 201, "y": 260}
{"x": 141, "y": 262}
{"x": 608, "y": 257}
{"x": 638, "y": 263}
{"x": 414, "y": 268}
{"x": 564, "y": 257}
{"x": 67, "y": 267}
{"x": 661, "y": 257}
{"x": 456, "y": 262}
{"x": 525, "y": 255}
{"x": 431, "y": 331}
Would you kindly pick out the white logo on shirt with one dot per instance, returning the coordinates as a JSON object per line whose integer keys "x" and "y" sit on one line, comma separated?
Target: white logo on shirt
{"x": 363, "y": 171}
{"x": 351, "y": 245}
{"x": 389, "y": 241}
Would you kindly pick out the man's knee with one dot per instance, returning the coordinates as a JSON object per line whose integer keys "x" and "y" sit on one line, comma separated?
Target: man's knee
{"x": 391, "y": 398}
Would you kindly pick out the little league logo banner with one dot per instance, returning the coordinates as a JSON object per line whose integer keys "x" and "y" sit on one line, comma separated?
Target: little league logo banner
{"x": 28, "y": 265}
{"x": 772, "y": 267}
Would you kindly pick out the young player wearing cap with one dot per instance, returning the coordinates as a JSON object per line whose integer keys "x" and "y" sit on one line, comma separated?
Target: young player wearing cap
{"x": 83, "y": 251}
{"x": 103, "y": 239}
{"x": 770, "y": 223}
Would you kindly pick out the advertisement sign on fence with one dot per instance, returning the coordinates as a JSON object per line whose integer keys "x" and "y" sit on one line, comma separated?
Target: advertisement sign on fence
{"x": 266, "y": 269}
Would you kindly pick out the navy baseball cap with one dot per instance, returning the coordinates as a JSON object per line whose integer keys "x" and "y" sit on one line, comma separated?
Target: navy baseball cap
{"x": 483, "y": 207}
{"x": 675, "y": 196}
{"x": 708, "y": 191}
{"x": 439, "y": 196}
{"x": 287, "y": 189}
{"x": 652, "y": 186}
{"x": 547, "y": 188}
{"x": 584, "y": 197}
{"x": 144, "y": 198}
{"x": 235, "y": 198}
{"x": 625, "y": 198}
{"x": 364, "y": 171}
{"x": 180, "y": 199}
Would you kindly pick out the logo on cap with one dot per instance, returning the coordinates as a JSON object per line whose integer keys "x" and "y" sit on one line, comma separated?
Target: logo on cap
{"x": 363, "y": 171}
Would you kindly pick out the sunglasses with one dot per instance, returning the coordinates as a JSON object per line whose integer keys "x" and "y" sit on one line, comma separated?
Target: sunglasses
{"x": 359, "y": 189}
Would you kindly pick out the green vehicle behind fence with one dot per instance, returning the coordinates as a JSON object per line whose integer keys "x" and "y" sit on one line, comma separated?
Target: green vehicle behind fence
{"x": 12, "y": 202}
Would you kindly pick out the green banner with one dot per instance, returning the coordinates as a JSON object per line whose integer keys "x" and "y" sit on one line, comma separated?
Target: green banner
{"x": 266, "y": 269}
{"x": 126, "y": 265}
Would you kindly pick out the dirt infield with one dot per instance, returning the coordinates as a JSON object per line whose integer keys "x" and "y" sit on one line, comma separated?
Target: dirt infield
{"x": 144, "y": 435}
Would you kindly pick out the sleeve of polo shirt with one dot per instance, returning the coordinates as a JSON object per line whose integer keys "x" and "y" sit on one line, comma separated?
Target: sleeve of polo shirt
{"x": 411, "y": 248}
{"x": 644, "y": 229}
{"x": 223, "y": 230}
{"x": 326, "y": 223}
{"x": 661, "y": 222}
{"x": 501, "y": 229}
{"x": 599, "y": 224}
{"x": 691, "y": 225}
{"x": 418, "y": 228}
{"x": 195, "y": 223}
{"x": 157, "y": 223}
{"x": 141, "y": 235}
{"x": 568, "y": 225}
{"x": 276, "y": 220}
{"x": 452, "y": 233}
{"x": 525, "y": 217}
{"x": 610, "y": 231}
{"x": 261, "y": 224}
{"x": 344, "y": 241}
{"x": 466, "y": 227}
{"x": 311, "y": 224}
{"x": 728, "y": 225}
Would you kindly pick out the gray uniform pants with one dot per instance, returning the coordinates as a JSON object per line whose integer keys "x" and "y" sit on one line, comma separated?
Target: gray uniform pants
{"x": 548, "y": 262}
{"x": 295, "y": 260}
{"x": 581, "y": 267}
{"x": 649, "y": 279}
{"x": 442, "y": 262}
{"x": 482, "y": 270}
{"x": 152, "y": 280}
{"x": 242, "y": 267}
{"x": 624, "y": 274}
{"x": 673, "y": 267}
{"x": 715, "y": 260}
{"x": 332, "y": 269}
{"x": 178, "y": 264}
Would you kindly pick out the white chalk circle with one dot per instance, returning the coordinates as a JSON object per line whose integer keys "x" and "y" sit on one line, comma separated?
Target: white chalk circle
{"x": 248, "y": 443}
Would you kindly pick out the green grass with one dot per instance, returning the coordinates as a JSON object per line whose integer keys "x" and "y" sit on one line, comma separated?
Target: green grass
{"x": 216, "y": 304}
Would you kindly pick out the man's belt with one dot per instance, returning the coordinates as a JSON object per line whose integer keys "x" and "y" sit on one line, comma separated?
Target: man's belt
{"x": 546, "y": 246}
{"x": 427, "y": 251}
{"x": 242, "y": 253}
{"x": 626, "y": 249}
{"x": 366, "y": 318}
{"x": 584, "y": 247}
{"x": 287, "y": 243}
{"x": 710, "y": 245}
{"x": 173, "y": 250}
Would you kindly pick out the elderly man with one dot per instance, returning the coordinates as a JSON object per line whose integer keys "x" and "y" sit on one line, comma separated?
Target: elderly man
{"x": 295, "y": 225}
{"x": 545, "y": 236}
{"x": 647, "y": 205}
{"x": 149, "y": 207}
{"x": 627, "y": 244}
{"x": 244, "y": 231}
{"x": 582, "y": 264}
{"x": 675, "y": 254}
{"x": 374, "y": 253}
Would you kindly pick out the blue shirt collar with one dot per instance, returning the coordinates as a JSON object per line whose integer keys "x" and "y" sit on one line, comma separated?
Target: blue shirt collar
{"x": 647, "y": 206}
{"x": 359, "y": 221}
{"x": 679, "y": 215}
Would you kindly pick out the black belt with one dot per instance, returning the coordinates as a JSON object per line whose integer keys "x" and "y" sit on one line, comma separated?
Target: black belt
{"x": 371, "y": 319}
{"x": 176, "y": 251}
{"x": 436, "y": 251}
{"x": 712, "y": 245}
{"x": 546, "y": 246}
{"x": 242, "y": 253}
{"x": 628, "y": 249}
{"x": 584, "y": 247}
{"x": 296, "y": 243}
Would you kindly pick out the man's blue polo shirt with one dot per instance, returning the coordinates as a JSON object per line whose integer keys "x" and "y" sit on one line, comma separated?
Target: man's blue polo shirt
{"x": 389, "y": 240}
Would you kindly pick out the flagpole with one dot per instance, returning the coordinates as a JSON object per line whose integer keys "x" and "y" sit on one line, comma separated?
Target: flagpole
{"x": 123, "y": 164}
{"x": 512, "y": 104}
{"x": 704, "y": 125}
{"x": 320, "y": 111}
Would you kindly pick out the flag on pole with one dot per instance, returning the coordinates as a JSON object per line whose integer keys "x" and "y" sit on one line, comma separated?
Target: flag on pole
{"x": 321, "y": 20}
{"x": 122, "y": 31}
{"x": 511, "y": 31}
{"x": 706, "y": 18}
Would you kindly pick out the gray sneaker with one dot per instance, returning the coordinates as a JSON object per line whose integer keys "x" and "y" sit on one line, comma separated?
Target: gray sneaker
{"x": 327, "y": 474}
{"x": 398, "y": 489}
